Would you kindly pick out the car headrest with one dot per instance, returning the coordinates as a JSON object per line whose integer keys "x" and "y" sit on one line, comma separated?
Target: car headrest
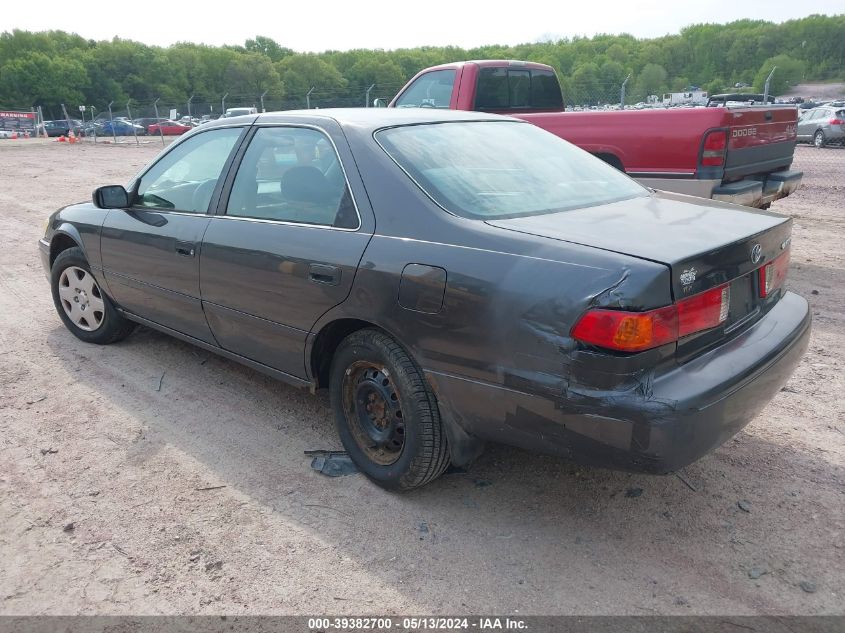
{"x": 304, "y": 183}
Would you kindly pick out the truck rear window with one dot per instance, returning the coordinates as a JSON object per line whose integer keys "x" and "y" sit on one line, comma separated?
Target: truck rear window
{"x": 503, "y": 169}
{"x": 517, "y": 89}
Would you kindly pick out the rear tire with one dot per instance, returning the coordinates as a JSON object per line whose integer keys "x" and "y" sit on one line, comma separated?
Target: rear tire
{"x": 83, "y": 307}
{"x": 819, "y": 139}
{"x": 386, "y": 414}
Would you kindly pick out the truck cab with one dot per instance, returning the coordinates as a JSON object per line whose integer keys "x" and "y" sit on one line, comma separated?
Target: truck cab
{"x": 733, "y": 152}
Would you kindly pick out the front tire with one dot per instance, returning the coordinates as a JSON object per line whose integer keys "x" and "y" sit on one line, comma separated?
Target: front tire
{"x": 819, "y": 140}
{"x": 386, "y": 414}
{"x": 82, "y": 306}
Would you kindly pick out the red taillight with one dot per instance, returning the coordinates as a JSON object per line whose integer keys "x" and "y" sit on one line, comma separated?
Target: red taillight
{"x": 638, "y": 331}
{"x": 837, "y": 121}
{"x": 713, "y": 152}
{"x": 773, "y": 274}
{"x": 627, "y": 331}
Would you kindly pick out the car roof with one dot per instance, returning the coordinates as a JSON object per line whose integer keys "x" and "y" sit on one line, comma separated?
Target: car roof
{"x": 373, "y": 118}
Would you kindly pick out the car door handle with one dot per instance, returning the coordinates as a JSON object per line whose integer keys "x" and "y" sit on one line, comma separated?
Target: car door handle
{"x": 322, "y": 274}
{"x": 186, "y": 249}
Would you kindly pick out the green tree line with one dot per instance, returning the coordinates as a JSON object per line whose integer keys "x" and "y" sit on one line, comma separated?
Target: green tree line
{"x": 49, "y": 68}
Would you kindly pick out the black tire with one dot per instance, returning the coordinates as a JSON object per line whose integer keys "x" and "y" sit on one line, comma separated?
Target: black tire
{"x": 819, "y": 139}
{"x": 369, "y": 363}
{"x": 111, "y": 326}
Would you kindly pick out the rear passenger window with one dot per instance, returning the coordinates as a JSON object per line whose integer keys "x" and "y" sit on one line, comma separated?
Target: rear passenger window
{"x": 292, "y": 175}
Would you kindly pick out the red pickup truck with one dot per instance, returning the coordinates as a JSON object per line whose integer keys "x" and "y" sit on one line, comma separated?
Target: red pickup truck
{"x": 739, "y": 154}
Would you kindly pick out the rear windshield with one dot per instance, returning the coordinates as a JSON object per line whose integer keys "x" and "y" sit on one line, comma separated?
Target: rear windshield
{"x": 503, "y": 169}
{"x": 517, "y": 89}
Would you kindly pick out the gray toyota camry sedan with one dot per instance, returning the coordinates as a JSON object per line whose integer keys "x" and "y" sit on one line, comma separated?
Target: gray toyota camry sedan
{"x": 452, "y": 278}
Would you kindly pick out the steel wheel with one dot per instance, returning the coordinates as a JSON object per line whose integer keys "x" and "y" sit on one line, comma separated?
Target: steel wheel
{"x": 374, "y": 411}
{"x": 81, "y": 298}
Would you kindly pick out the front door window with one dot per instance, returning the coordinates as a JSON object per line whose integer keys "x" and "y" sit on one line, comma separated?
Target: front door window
{"x": 184, "y": 180}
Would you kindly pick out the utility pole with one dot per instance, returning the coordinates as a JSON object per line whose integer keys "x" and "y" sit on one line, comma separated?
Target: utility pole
{"x": 158, "y": 121}
{"x": 308, "y": 98}
{"x": 93, "y": 122}
{"x": 263, "y": 94}
{"x": 189, "y": 107}
{"x": 129, "y": 114}
{"x": 622, "y": 96}
{"x": 223, "y": 104}
{"x": 367, "y": 96}
{"x": 111, "y": 123}
{"x": 766, "y": 87}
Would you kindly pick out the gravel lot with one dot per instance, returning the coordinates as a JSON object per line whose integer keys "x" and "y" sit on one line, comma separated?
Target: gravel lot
{"x": 152, "y": 477}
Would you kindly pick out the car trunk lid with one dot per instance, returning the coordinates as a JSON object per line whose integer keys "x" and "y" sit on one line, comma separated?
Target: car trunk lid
{"x": 705, "y": 243}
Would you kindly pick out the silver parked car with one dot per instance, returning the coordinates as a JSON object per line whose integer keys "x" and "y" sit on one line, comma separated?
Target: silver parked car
{"x": 821, "y": 126}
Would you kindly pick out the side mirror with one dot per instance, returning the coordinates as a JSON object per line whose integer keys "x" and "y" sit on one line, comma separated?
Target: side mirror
{"x": 379, "y": 103}
{"x": 110, "y": 197}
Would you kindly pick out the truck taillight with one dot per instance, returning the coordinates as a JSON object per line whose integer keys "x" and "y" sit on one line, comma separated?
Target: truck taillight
{"x": 713, "y": 151}
{"x": 638, "y": 331}
{"x": 773, "y": 274}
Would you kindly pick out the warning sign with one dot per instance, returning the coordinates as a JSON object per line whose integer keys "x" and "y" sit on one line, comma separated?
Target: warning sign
{"x": 17, "y": 121}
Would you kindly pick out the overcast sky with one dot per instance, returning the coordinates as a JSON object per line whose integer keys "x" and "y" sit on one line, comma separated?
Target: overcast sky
{"x": 344, "y": 24}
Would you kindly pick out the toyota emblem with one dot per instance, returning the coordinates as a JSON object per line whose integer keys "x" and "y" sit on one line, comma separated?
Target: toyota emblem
{"x": 756, "y": 253}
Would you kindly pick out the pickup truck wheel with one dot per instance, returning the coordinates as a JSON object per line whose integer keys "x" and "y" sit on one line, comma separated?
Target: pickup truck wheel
{"x": 386, "y": 413}
{"x": 82, "y": 306}
{"x": 818, "y": 139}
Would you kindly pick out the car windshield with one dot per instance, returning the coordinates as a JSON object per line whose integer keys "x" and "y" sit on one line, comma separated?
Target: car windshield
{"x": 503, "y": 169}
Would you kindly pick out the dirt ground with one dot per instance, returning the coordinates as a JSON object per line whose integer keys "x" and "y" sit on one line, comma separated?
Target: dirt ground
{"x": 830, "y": 90}
{"x": 151, "y": 477}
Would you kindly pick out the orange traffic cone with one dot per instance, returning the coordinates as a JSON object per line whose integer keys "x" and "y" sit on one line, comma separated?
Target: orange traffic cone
{"x": 62, "y": 139}
{"x": 71, "y": 137}
{"x": 14, "y": 136}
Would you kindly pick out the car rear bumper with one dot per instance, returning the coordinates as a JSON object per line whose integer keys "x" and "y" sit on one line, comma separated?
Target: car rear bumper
{"x": 757, "y": 193}
{"x": 749, "y": 192}
{"x": 659, "y": 426}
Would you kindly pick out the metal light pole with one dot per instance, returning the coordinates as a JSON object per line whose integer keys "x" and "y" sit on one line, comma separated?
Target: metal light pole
{"x": 134, "y": 131}
{"x": 223, "y": 104}
{"x": 308, "y": 98}
{"x": 766, "y": 87}
{"x": 67, "y": 119}
{"x": 367, "y": 96}
{"x": 263, "y": 94}
{"x": 94, "y": 122}
{"x": 158, "y": 121}
{"x": 189, "y": 107}
{"x": 111, "y": 123}
{"x": 622, "y": 96}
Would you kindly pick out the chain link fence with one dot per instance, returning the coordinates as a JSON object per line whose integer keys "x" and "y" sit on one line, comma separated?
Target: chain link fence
{"x": 113, "y": 122}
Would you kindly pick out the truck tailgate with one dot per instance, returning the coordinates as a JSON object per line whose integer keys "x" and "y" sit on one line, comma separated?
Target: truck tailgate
{"x": 760, "y": 140}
